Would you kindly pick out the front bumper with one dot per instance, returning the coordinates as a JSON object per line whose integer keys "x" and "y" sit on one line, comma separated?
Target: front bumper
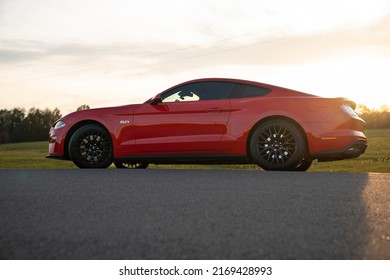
{"x": 56, "y": 144}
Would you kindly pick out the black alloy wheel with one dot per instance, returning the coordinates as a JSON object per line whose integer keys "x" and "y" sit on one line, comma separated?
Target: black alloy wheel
{"x": 91, "y": 147}
{"x": 278, "y": 145}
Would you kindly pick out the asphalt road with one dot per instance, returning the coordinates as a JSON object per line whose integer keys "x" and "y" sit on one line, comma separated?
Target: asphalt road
{"x": 193, "y": 214}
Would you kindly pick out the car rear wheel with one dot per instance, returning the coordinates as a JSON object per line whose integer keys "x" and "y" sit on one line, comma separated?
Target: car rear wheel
{"x": 91, "y": 147}
{"x": 131, "y": 165}
{"x": 278, "y": 145}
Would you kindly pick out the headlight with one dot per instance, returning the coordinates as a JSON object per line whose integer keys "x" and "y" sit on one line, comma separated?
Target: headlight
{"x": 348, "y": 109}
{"x": 59, "y": 124}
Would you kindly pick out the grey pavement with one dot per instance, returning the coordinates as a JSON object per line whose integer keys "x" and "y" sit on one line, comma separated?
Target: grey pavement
{"x": 193, "y": 214}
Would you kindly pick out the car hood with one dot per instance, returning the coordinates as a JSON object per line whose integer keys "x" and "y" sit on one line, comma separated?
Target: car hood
{"x": 100, "y": 113}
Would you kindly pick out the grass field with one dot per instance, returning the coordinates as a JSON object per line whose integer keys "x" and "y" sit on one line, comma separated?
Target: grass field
{"x": 376, "y": 158}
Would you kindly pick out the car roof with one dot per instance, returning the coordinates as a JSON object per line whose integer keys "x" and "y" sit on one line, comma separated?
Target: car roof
{"x": 231, "y": 80}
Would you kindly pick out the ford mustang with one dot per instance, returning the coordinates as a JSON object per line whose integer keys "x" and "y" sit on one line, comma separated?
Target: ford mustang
{"x": 213, "y": 121}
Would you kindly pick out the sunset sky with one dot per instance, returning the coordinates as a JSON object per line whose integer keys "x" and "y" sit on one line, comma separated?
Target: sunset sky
{"x": 102, "y": 53}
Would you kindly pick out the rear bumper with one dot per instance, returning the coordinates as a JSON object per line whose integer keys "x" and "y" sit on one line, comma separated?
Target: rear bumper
{"x": 353, "y": 150}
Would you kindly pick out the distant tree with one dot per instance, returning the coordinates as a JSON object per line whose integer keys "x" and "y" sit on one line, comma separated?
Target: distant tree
{"x": 11, "y": 125}
{"x": 5, "y": 120}
{"x": 362, "y": 109}
{"x": 55, "y": 115}
{"x": 83, "y": 107}
{"x": 385, "y": 108}
{"x": 375, "y": 118}
{"x": 39, "y": 121}
{"x": 15, "y": 126}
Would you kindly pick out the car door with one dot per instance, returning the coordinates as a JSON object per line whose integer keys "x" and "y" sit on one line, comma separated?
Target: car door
{"x": 189, "y": 119}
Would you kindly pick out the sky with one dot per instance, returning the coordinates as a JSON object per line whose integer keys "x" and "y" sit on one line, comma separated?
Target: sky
{"x": 104, "y": 53}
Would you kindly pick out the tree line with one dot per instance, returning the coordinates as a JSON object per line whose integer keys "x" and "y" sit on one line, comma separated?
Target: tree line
{"x": 375, "y": 118}
{"x": 19, "y": 125}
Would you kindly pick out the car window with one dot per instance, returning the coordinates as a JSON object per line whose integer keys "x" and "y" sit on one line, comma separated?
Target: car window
{"x": 180, "y": 96}
{"x": 198, "y": 92}
{"x": 245, "y": 91}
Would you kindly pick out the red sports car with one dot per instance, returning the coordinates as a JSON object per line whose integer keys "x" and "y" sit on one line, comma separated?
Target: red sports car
{"x": 213, "y": 121}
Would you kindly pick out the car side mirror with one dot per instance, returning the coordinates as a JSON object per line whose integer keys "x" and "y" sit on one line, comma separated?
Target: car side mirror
{"x": 156, "y": 101}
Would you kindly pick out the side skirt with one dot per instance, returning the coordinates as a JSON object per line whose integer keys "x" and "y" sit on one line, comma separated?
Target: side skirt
{"x": 187, "y": 159}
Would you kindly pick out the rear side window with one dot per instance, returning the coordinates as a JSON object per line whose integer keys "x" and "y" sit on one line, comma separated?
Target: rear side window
{"x": 245, "y": 91}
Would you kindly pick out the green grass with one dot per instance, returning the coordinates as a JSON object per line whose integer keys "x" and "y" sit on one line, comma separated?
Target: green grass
{"x": 29, "y": 155}
{"x": 376, "y": 158}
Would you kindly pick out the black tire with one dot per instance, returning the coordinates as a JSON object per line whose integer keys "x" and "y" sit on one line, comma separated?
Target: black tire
{"x": 130, "y": 165}
{"x": 91, "y": 147}
{"x": 304, "y": 165}
{"x": 278, "y": 145}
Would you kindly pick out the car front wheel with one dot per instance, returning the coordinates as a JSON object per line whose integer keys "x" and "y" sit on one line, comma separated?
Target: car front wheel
{"x": 91, "y": 147}
{"x": 278, "y": 145}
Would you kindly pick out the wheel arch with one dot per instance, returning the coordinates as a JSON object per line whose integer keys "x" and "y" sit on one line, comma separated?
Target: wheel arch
{"x": 276, "y": 117}
{"x": 74, "y": 128}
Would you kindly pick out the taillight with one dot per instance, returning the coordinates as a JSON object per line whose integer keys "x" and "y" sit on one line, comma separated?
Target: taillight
{"x": 349, "y": 110}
